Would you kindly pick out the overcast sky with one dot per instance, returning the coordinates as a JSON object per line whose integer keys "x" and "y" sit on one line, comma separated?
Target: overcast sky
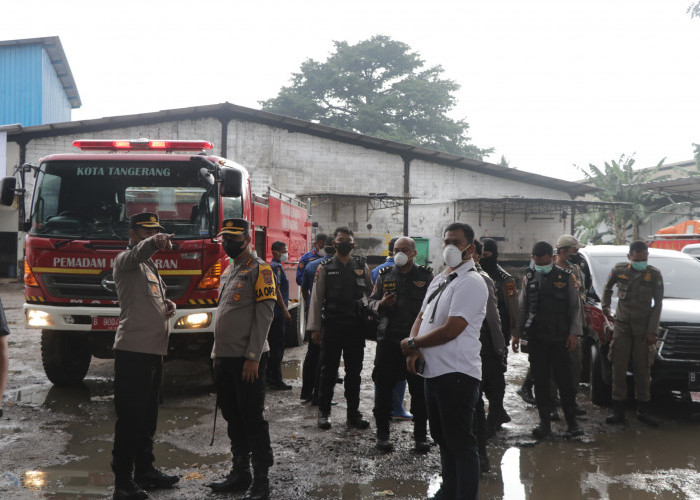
{"x": 547, "y": 83}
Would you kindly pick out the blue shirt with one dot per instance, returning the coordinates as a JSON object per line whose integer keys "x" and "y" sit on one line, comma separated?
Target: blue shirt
{"x": 307, "y": 283}
{"x": 308, "y": 256}
{"x": 375, "y": 272}
{"x": 282, "y": 283}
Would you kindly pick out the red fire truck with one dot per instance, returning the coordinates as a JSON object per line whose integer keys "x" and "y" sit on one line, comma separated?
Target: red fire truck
{"x": 678, "y": 236}
{"x": 79, "y": 223}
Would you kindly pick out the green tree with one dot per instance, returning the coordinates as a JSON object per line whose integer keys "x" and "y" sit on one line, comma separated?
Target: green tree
{"x": 378, "y": 87}
{"x": 617, "y": 184}
{"x": 694, "y": 9}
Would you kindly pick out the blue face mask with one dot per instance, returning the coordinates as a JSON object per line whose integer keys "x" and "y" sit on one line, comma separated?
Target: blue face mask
{"x": 543, "y": 269}
{"x": 639, "y": 266}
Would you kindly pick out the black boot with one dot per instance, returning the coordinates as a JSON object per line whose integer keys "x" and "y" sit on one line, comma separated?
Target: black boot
{"x": 644, "y": 414}
{"x": 573, "y": 429}
{"x": 355, "y": 420}
{"x": 618, "y": 414}
{"x": 543, "y": 430}
{"x": 260, "y": 487}
{"x": 323, "y": 421}
{"x": 237, "y": 480}
{"x": 525, "y": 391}
{"x": 126, "y": 489}
{"x": 149, "y": 477}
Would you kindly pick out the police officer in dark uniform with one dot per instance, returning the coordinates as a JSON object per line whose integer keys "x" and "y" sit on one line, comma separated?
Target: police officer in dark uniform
{"x": 316, "y": 253}
{"x": 397, "y": 298}
{"x": 275, "y": 337}
{"x": 247, "y": 296}
{"x": 640, "y": 297}
{"x": 551, "y": 312}
{"x": 493, "y": 353}
{"x": 337, "y": 317}
{"x": 509, "y": 312}
{"x": 140, "y": 343}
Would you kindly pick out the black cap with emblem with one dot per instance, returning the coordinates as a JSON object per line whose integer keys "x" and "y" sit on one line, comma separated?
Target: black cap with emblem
{"x": 146, "y": 220}
{"x": 234, "y": 226}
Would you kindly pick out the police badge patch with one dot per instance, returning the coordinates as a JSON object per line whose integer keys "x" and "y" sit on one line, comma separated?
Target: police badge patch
{"x": 267, "y": 275}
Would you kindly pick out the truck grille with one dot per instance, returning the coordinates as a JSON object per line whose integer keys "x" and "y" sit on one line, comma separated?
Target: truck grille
{"x": 681, "y": 343}
{"x": 80, "y": 286}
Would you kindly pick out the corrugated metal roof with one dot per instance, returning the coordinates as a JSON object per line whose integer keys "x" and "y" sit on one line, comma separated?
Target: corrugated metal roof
{"x": 231, "y": 111}
{"x": 52, "y": 46}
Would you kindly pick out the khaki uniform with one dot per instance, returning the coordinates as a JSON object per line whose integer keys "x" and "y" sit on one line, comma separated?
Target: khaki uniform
{"x": 640, "y": 296}
{"x": 143, "y": 320}
{"x": 247, "y": 298}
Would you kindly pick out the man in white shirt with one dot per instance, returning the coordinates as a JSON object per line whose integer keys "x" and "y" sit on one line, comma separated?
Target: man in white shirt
{"x": 444, "y": 347}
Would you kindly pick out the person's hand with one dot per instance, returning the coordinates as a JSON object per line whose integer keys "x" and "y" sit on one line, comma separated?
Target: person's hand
{"x": 250, "y": 371}
{"x": 650, "y": 338}
{"x": 571, "y": 343}
{"x": 287, "y": 317}
{"x": 411, "y": 361}
{"x": 316, "y": 337}
{"x": 170, "y": 308}
{"x": 515, "y": 344}
{"x": 162, "y": 241}
{"x": 388, "y": 300}
{"x": 407, "y": 351}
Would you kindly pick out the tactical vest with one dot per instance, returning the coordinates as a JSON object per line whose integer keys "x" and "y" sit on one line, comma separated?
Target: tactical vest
{"x": 499, "y": 278}
{"x": 410, "y": 289}
{"x": 487, "y": 349}
{"x": 345, "y": 288}
{"x": 548, "y": 297}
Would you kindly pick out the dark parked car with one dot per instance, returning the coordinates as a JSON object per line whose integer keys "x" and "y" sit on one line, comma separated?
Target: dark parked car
{"x": 677, "y": 364}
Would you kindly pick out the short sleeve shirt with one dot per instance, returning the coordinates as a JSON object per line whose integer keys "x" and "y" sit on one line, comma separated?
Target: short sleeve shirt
{"x": 464, "y": 297}
{"x": 4, "y": 327}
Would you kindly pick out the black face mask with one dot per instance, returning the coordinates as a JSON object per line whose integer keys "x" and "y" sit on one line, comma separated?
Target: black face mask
{"x": 489, "y": 263}
{"x": 233, "y": 248}
{"x": 344, "y": 248}
{"x": 575, "y": 258}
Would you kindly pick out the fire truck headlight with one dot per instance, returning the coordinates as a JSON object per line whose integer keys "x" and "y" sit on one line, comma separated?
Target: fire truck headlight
{"x": 196, "y": 320}
{"x": 38, "y": 318}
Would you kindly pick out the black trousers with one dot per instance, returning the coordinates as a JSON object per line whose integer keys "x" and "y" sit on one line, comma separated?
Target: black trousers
{"x": 389, "y": 368}
{"x": 137, "y": 383}
{"x": 311, "y": 371}
{"x": 242, "y": 405}
{"x": 451, "y": 399}
{"x": 341, "y": 337}
{"x": 275, "y": 338}
{"x": 493, "y": 382}
{"x": 551, "y": 359}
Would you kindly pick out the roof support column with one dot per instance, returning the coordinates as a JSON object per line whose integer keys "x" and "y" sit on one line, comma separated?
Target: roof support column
{"x": 406, "y": 191}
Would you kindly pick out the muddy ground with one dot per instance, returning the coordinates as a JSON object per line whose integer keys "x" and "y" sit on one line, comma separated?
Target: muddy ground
{"x": 56, "y": 443}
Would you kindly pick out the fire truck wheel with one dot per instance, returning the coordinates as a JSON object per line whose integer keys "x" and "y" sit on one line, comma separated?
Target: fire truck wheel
{"x": 294, "y": 332}
{"x": 65, "y": 356}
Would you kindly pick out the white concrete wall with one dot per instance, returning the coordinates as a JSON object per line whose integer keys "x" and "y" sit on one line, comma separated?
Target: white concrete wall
{"x": 299, "y": 163}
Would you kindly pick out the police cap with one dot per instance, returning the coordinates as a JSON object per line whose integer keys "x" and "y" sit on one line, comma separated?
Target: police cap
{"x": 235, "y": 226}
{"x": 145, "y": 220}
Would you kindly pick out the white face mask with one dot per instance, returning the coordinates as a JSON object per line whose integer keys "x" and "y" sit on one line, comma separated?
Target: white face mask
{"x": 284, "y": 257}
{"x": 452, "y": 255}
{"x": 400, "y": 259}
{"x": 321, "y": 252}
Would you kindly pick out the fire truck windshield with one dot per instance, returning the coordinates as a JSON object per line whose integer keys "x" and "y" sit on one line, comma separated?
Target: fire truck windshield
{"x": 94, "y": 199}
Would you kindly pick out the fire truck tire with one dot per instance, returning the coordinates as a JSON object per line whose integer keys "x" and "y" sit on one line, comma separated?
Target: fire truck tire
{"x": 65, "y": 356}
{"x": 601, "y": 392}
{"x": 294, "y": 333}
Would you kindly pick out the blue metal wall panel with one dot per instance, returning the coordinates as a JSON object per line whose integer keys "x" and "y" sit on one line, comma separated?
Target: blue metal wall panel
{"x": 20, "y": 85}
{"x": 55, "y": 105}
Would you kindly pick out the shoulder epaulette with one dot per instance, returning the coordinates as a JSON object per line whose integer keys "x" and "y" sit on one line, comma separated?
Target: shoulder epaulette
{"x": 386, "y": 269}
{"x": 567, "y": 270}
{"x": 502, "y": 273}
{"x": 325, "y": 262}
{"x": 529, "y": 272}
{"x": 426, "y": 269}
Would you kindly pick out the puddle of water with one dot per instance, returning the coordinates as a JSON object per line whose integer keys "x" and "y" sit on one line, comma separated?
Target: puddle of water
{"x": 91, "y": 440}
{"x": 638, "y": 463}
{"x": 291, "y": 369}
{"x": 379, "y": 488}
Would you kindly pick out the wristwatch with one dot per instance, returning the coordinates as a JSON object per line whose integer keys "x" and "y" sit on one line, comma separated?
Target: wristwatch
{"x": 411, "y": 343}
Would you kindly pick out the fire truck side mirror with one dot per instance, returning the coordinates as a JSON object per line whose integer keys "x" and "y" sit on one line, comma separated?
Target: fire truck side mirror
{"x": 231, "y": 182}
{"x": 7, "y": 190}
